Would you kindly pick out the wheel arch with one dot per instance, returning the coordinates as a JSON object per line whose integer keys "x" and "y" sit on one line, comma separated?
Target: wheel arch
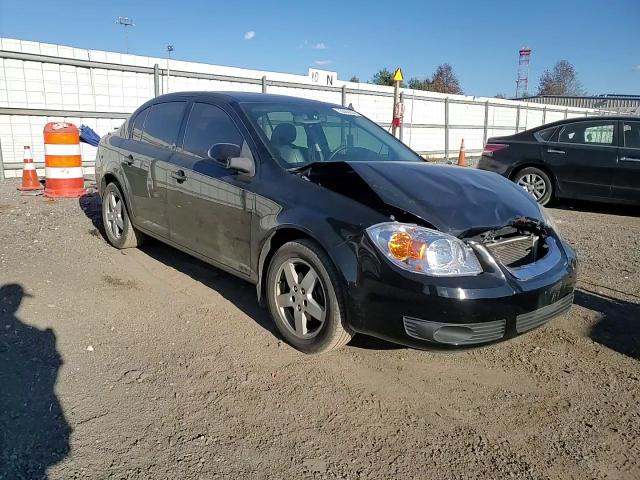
{"x": 276, "y": 239}
{"x": 110, "y": 177}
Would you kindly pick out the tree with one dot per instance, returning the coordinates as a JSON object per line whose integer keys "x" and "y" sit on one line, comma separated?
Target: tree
{"x": 417, "y": 84}
{"x": 354, "y": 79}
{"x": 444, "y": 80}
{"x": 500, "y": 95}
{"x": 562, "y": 79}
{"x": 383, "y": 77}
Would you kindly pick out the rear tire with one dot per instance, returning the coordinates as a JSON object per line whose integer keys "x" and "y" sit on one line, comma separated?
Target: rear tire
{"x": 305, "y": 298}
{"x": 536, "y": 182}
{"x": 115, "y": 217}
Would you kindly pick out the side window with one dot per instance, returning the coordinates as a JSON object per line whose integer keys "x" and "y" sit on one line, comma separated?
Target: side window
{"x": 546, "y": 134}
{"x": 138, "y": 124}
{"x": 588, "y": 133}
{"x": 631, "y": 134}
{"x": 207, "y": 125}
{"x": 163, "y": 124}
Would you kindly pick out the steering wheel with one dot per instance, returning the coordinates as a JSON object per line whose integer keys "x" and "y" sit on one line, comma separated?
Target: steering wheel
{"x": 342, "y": 148}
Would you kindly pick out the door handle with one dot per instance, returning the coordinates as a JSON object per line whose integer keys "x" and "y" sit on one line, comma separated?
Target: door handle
{"x": 553, "y": 150}
{"x": 179, "y": 176}
{"x": 128, "y": 160}
{"x": 629, "y": 159}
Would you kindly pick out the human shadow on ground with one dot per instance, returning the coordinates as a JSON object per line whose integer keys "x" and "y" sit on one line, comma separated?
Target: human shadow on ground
{"x": 619, "y": 325}
{"x": 34, "y": 433}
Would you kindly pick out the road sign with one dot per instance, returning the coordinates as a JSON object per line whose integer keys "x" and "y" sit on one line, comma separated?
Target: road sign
{"x": 397, "y": 76}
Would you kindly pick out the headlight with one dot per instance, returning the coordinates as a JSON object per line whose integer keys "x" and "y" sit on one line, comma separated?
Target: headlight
{"x": 423, "y": 250}
{"x": 547, "y": 218}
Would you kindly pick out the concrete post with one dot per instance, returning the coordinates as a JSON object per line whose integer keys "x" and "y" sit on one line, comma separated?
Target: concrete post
{"x": 344, "y": 95}
{"x": 156, "y": 80}
{"x": 446, "y": 129}
{"x": 264, "y": 84}
{"x": 1, "y": 162}
{"x": 486, "y": 123}
{"x": 518, "y": 119}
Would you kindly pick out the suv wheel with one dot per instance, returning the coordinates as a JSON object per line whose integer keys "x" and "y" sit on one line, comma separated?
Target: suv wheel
{"x": 305, "y": 298}
{"x": 115, "y": 217}
{"x": 536, "y": 182}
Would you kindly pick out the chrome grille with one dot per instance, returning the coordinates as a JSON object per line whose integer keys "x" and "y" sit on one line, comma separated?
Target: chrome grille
{"x": 531, "y": 320}
{"x": 514, "y": 251}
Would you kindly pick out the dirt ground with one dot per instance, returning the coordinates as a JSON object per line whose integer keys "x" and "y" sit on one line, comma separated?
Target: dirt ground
{"x": 150, "y": 364}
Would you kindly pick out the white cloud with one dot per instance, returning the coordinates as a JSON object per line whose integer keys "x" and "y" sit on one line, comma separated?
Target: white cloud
{"x": 319, "y": 46}
{"x": 323, "y": 63}
{"x": 249, "y": 35}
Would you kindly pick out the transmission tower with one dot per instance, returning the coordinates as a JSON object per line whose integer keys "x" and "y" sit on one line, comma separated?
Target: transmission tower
{"x": 125, "y": 22}
{"x": 522, "y": 83}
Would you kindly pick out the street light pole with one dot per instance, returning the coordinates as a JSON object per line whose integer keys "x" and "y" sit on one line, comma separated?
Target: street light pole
{"x": 125, "y": 22}
{"x": 169, "y": 50}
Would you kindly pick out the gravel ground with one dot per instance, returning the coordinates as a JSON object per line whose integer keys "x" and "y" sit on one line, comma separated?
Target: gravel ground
{"x": 150, "y": 364}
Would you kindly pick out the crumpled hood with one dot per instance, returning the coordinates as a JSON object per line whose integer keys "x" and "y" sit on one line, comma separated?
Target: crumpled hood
{"x": 452, "y": 199}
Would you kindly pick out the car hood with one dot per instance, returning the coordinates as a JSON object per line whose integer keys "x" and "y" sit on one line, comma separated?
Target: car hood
{"x": 453, "y": 199}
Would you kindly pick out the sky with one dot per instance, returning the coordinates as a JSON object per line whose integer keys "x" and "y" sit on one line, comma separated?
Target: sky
{"x": 480, "y": 39}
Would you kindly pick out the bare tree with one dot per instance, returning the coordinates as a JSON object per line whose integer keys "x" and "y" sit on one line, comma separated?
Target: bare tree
{"x": 562, "y": 79}
{"x": 444, "y": 80}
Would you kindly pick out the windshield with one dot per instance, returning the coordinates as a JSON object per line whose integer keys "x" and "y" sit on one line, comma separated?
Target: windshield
{"x": 299, "y": 133}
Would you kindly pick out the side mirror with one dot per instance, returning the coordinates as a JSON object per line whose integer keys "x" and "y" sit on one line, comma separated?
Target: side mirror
{"x": 222, "y": 152}
{"x": 231, "y": 156}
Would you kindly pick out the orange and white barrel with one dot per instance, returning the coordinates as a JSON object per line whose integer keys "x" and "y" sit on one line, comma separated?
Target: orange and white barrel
{"x": 62, "y": 161}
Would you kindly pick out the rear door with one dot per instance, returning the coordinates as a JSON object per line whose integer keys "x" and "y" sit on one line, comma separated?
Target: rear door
{"x": 583, "y": 157}
{"x": 210, "y": 206}
{"x": 152, "y": 144}
{"x": 626, "y": 183}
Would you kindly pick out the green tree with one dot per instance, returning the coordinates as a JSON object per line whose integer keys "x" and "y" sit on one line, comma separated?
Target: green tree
{"x": 562, "y": 79}
{"x": 417, "y": 84}
{"x": 383, "y": 77}
{"x": 354, "y": 79}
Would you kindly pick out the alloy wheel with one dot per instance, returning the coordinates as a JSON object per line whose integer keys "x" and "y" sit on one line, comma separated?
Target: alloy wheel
{"x": 534, "y": 184}
{"x": 113, "y": 215}
{"x": 300, "y": 298}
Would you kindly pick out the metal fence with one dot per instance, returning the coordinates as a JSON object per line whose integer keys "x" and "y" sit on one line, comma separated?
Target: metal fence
{"x": 433, "y": 124}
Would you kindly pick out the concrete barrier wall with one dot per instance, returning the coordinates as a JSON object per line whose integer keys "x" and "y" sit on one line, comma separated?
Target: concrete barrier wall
{"x": 42, "y": 82}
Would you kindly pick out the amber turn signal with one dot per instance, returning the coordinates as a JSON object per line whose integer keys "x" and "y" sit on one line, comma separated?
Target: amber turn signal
{"x": 402, "y": 247}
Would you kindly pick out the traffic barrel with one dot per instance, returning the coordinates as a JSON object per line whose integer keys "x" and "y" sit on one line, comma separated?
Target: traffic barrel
{"x": 63, "y": 162}
{"x": 30, "y": 181}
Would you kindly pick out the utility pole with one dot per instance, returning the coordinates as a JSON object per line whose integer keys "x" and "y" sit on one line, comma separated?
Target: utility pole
{"x": 125, "y": 22}
{"x": 169, "y": 50}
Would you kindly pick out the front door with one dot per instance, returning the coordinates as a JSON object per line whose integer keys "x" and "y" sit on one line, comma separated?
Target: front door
{"x": 584, "y": 158}
{"x": 210, "y": 206}
{"x": 145, "y": 164}
{"x": 626, "y": 182}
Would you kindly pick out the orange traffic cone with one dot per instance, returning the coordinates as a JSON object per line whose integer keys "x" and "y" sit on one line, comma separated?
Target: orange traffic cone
{"x": 30, "y": 180}
{"x": 462, "y": 159}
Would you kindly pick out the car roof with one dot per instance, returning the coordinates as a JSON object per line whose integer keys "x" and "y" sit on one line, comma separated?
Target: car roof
{"x": 252, "y": 97}
{"x": 587, "y": 119}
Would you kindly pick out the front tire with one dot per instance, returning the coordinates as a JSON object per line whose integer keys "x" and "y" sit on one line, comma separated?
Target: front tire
{"x": 305, "y": 298}
{"x": 115, "y": 217}
{"x": 536, "y": 182}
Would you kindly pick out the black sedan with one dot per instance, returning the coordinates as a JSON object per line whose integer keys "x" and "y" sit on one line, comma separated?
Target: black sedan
{"x": 595, "y": 158}
{"x": 341, "y": 227}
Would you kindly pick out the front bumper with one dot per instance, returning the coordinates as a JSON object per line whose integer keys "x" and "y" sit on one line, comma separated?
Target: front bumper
{"x": 422, "y": 312}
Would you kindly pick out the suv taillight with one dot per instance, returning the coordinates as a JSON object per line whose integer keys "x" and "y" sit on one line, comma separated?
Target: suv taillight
{"x": 490, "y": 148}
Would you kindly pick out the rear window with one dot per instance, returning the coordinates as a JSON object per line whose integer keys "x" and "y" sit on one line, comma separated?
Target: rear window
{"x": 588, "y": 133}
{"x": 162, "y": 124}
{"x": 546, "y": 134}
{"x": 138, "y": 124}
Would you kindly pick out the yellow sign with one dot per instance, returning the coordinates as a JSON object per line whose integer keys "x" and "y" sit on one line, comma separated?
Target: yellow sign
{"x": 397, "y": 76}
